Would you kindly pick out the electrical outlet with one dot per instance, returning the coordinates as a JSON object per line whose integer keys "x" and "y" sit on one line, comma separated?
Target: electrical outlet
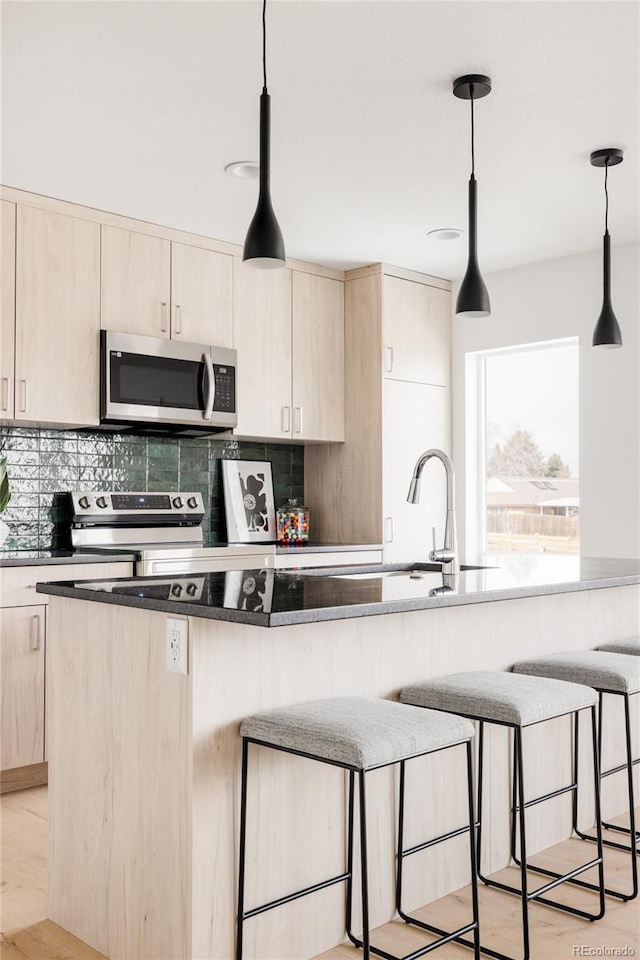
{"x": 177, "y": 645}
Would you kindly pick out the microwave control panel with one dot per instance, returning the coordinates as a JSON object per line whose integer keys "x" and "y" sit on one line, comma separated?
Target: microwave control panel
{"x": 225, "y": 377}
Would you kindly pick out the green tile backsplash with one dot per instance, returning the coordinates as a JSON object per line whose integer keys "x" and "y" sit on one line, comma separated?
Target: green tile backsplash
{"x": 44, "y": 464}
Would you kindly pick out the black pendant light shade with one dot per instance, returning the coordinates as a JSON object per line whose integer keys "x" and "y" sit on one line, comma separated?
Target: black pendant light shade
{"x": 264, "y": 243}
{"x": 473, "y": 296}
{"x": 607, "y": 332}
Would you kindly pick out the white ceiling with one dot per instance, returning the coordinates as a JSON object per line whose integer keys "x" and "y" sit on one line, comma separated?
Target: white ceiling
{"x": 137, "y": 107}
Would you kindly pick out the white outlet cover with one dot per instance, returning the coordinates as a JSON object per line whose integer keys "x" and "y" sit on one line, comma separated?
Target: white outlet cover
{"x": 177, "y": 645}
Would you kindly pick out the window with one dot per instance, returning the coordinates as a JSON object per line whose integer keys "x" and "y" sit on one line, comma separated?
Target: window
{"x": 522, "y": 449}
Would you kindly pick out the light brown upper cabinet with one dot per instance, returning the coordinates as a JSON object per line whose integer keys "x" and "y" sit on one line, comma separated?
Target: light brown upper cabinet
{"x": 289, "y": 334}
{"x": 7, "y": 306}
{"x": 262, "y": 326}
{"x": 136, "y": 283}
{"x": 416, "y": 331}
{"x": 57, "y": 318}
{"x": 156, "y": 288}
{"x": 201, "y": 295}
{"x": 318, "y": 357}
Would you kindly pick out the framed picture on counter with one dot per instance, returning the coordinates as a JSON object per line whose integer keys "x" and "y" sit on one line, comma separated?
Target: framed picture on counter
{"x": 248, "y": 501}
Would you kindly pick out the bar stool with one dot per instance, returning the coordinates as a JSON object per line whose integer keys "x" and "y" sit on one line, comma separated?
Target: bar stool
{"x": 630, "y": 646}
{"x": 614, "y": 674}
{"x": 516, "y": 702}
{"x": 358, "y": 734}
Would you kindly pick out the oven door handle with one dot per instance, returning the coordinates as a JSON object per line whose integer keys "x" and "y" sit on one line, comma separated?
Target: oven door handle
{"x": 211, "y": 386}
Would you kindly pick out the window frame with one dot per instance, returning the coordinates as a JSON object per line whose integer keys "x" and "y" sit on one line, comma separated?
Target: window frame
{"x": 476, "y": 434}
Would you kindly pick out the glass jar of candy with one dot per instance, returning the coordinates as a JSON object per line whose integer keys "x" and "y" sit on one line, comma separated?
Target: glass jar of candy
{"x": 293, "y": 522}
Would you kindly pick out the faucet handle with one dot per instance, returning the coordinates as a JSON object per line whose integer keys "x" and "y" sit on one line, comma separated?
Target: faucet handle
{"x": 433, "y": 537}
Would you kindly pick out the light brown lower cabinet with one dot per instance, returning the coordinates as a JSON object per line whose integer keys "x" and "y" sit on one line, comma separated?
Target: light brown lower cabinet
{"x": 22, "y": 659}
{"x": 23, "y": 622}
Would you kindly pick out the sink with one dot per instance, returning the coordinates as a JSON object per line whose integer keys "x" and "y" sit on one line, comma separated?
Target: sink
{"x": 375, "y": 575}
{"x": 415, "y": 571}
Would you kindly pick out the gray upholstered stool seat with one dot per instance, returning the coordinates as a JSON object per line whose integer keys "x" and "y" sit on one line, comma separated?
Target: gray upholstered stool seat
{"x": 359, "y": 732}
{"x": 611, "y": 672}
{"x": 630, "y": 646}
{"x": 500, "y": 697}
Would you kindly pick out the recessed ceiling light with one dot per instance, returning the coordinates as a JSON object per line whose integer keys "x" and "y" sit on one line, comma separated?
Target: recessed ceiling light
{"x": 243, "y": 169}
{"x": 445, "y": 233}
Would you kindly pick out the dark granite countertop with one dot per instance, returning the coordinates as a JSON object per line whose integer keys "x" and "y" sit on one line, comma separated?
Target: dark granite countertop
{"x": 36, "y": 558}
{"x": 273, "y": 598}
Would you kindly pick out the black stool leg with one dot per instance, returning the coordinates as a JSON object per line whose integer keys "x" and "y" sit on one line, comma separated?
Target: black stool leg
{"x": 364, "y": 867}
{"x": 349, "y": 910}
{"x": 400, "y": 858}
{"x": 519, "y": 773}
{"x": 472, "y": 853}
{"x": 479, "y": 814}
{"x": 633, "y": 835}
{"x": 243, "y": 844}
{"x": 514, "y": 807}
{"x": 597, "y": 747}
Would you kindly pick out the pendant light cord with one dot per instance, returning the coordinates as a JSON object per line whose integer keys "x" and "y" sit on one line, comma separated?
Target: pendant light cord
{"x": 606, "y": 199}
{"x": 264, "y": 45}
{"x": 473, "y": 152}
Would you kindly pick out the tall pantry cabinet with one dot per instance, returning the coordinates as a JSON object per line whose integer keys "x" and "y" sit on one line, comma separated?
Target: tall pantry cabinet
{"x": 397, "y": 402}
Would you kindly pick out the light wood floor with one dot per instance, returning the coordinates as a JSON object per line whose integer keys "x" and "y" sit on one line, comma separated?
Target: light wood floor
{"x": 28, "y": 935}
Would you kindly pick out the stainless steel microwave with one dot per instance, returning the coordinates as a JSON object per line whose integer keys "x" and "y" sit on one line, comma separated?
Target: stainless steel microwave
{"x": 184, "y": 387}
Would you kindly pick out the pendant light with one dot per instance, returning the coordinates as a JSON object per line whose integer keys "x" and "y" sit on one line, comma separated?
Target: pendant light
{"x": 264, "y": 244}
{"x": 473, "y": 297}
{"x": 607, "y": 331}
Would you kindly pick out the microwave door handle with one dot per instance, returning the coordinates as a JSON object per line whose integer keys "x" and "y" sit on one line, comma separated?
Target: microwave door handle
{"x": 211, "y": 386}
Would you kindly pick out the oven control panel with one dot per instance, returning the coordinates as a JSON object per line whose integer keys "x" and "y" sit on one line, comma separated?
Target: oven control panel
{"x": 143, "y": 505}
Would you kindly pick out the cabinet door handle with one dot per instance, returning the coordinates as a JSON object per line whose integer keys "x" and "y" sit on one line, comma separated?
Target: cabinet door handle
{"x": 388, "y": 535}
{"x": 389, "y": 351}
{"x": 36, "y": 632}
{"x": 286, "y": 419}
{"x": 6, "y": 382}
{"x": 164, "y": 316}
{"x": 178, "y": 320}
{"x": 25, "y": 396}
{"x": 298, "y": 419}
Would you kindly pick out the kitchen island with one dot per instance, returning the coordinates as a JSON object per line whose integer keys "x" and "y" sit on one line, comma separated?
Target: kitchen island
{"x": 144, "y": 763}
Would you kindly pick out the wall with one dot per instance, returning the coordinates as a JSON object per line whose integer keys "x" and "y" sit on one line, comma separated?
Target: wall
{"x": 552, "y": 300}
{"x": 44, "y": 464}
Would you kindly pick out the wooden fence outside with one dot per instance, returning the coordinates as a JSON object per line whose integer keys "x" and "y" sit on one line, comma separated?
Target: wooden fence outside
{"x": 530, "y": 524}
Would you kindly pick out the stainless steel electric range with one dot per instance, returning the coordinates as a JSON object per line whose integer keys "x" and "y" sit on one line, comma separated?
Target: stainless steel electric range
{"x": 164, "y": 530}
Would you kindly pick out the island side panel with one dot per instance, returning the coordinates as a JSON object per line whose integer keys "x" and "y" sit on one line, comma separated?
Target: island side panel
{"x": 119, "y": 782}
{"x": 296, "y": 820}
